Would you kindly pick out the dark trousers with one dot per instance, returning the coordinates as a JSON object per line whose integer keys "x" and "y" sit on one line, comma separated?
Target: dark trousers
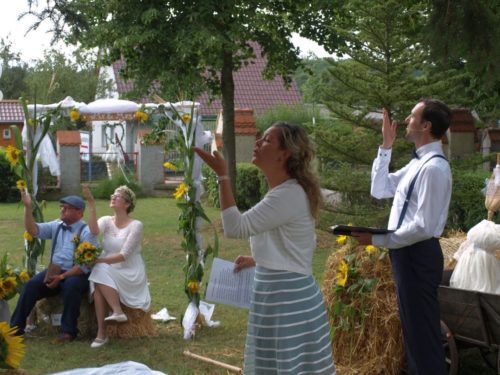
{"x": 417, "y": 271}
{"x": 71, "y": 290}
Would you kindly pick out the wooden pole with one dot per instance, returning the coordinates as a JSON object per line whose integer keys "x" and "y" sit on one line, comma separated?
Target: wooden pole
{"x": 214, "y": 362}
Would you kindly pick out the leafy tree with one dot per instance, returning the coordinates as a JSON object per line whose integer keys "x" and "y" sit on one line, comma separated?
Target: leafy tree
{"x": 188, "y": 47}
{"x": 14, "y": 71}
{"x": 56, "y": 76}
{"x": 387, "y": 68}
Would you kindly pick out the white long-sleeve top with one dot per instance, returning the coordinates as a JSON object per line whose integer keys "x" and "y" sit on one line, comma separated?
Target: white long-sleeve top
{"x": 428, "y": 207}
{"x": 280, "y": 228}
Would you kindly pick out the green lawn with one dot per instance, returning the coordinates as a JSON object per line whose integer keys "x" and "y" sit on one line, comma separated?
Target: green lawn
{"x": 164, "y": 261}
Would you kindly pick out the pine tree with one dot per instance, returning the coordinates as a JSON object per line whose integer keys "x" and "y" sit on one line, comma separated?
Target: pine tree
{"x": 388, "y": 67}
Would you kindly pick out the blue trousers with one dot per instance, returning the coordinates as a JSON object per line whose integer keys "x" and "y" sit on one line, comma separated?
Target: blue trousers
{"x": 70, "y": 289}
{"x": 417, "y": 271}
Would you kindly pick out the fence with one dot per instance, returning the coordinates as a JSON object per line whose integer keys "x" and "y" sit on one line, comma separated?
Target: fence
{"x": 99, "y": 170}
{"x": 171, "y": 156}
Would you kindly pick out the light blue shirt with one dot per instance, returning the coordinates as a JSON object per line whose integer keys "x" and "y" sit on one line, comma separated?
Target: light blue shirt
{"x": 65, "y": 247}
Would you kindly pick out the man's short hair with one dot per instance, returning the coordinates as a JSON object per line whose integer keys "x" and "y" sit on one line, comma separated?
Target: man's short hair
{"x": 438, "y": 114}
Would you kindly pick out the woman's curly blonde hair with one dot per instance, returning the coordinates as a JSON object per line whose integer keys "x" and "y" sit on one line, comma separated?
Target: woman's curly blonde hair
{"x": 129, "y": 197}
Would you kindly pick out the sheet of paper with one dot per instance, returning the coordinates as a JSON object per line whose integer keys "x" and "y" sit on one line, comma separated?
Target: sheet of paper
{"x": 230, "y": 288}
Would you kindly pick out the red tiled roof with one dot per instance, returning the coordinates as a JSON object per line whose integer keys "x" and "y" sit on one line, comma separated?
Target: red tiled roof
{"x": 251, "y": 91}
{"x": 494, "y": 135}
{"x": 244, "y": 122}
{"x": 68, "y": 137}
{"x": 462, "y": 121}
{"x": 11, "y": 111}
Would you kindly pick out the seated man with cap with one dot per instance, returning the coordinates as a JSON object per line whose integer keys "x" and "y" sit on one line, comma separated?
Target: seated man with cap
{"x": 64, "y": 278}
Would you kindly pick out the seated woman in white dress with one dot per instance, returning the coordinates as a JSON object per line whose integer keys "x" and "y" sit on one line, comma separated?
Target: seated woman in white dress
{"x": 119, "y": 274}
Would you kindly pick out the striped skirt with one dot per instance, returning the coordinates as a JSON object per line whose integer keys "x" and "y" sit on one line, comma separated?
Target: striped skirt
{"x": 288, "y": 330}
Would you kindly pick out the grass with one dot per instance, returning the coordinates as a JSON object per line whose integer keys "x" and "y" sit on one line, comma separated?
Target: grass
{"x": 164, "y": 260}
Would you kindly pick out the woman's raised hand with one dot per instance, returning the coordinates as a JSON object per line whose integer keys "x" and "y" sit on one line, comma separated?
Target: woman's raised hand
{"x": 215, "y": 161}
{"x": 87, "y": 194}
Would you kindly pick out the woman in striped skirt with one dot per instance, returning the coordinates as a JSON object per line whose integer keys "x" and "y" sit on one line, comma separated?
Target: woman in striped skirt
{"x": 288, "y": 329}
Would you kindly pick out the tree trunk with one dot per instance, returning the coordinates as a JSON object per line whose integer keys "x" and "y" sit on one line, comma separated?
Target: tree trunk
{"x": 228, "y": 137}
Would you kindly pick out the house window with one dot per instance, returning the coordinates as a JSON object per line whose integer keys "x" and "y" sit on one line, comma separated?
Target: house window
{"x": 6, "y": 134}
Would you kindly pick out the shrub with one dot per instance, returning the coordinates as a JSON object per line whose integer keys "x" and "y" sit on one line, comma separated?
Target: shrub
{"x": 296, "y": 114}
{"x": 7, "y": 181}
{"x": 251, "y": 186}
{"x": 108, "y": 187}
{"x": 467, "y": 206}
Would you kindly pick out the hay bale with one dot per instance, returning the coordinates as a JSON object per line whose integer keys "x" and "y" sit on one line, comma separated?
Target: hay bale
{"x": 450, "y": 246}
{"x": 378, "y": 342}
{"x": 87, "y": 322}
{"x": 139, "y": 324}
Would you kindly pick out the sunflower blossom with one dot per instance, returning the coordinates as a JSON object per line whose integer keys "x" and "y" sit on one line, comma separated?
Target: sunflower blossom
{"x": 21, "y": 184}
{"x": 74, "y": 114}
{"x": 12, "y": 349}
{"x": 170, "y": 166}
{"x": 24, "y": 275}
{"x": 194, "y": 286}
{"x": 12, "y": 155}
{"x": 28, "y": 237}
{"x": 370, "y": 248}
{"x": 343, "y": 274}
{"x": 341, "y": 239}
{"x": 186, "y": 118}
{"x": 141, "y": 115}
{"x": 9, "y": 285}
{"x": 181, "y": 190}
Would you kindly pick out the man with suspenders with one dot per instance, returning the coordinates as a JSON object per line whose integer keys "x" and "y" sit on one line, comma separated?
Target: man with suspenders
{"x": 422, "y": 192}
{"x": 62, "y": 276}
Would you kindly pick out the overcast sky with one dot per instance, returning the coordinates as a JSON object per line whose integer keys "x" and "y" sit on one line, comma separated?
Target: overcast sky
{"x": 36, "y": 42}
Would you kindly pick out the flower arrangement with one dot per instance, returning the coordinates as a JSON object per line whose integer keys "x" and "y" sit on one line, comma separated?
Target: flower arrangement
{"x": 85, "y": 253}
{"x": 350, "y": 308}
{"x": 12, "y": 280}
{"x": 187, "y": 195}
{"x": 141, "y": 115}
{"x": 12, "y": 349}
{"x": 23, "y": 164}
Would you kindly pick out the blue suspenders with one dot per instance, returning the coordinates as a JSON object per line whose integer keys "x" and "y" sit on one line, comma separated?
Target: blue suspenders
{"x": 410, "y": 190}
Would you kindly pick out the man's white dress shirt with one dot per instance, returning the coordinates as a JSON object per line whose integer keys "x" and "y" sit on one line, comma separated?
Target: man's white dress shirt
{"x": 427, "y": 210}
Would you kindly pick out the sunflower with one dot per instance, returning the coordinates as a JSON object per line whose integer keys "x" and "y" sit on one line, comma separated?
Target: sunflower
{"x": 343, "y": 274}
{"x": 74, "y": 114}
{"x": 370, "y": 248}
{"x": 28, "y": 237}
{"x": 2, "y": 289}
{"x": 341, "y": 239}
{"x": 76, "y": 239}
{"x": 24, "y": 275}
{"x": 194, "y": 286}
{"x": 181, "y": 190}
{"x": 88, "y": 256}
{"x": 8, "y": 271}
{"x": 9, "y": 285}
{"x": 141, "y": 115}
{"x": 186, "y": 118}
{"x": 21, "y": 184}
{"x": 12, "y": 155}
{"x": 11, "y": 347}
{"x": 170, "y": 166}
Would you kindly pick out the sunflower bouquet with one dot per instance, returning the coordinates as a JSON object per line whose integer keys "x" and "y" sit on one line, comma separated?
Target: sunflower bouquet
{"x": 86, "y": 253}
{"x": 12, "y": 279}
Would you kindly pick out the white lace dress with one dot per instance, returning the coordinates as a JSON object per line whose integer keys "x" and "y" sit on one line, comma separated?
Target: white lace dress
{"x": 128, "y": 277}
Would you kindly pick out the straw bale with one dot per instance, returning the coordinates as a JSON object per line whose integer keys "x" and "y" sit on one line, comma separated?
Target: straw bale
{"x": 87, "y": 322}
{"x": 139, "y": 324}
{"x": 450, "y": 245}
{"x": 378, "y": 342}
